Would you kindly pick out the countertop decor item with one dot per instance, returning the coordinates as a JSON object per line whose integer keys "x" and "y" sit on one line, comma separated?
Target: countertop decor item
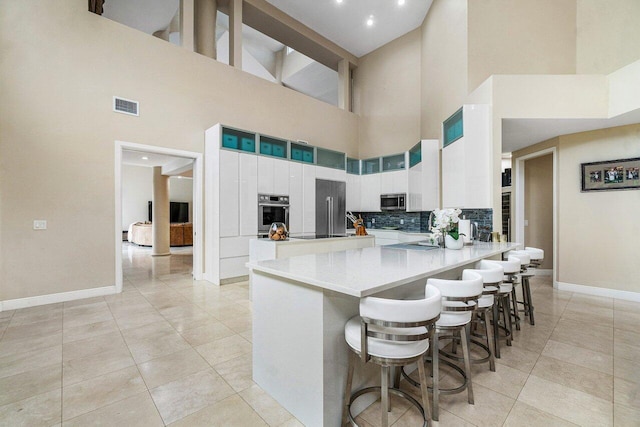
{"x": 278, "y": 231}
{"x": 444, "y": 222}
{"x": 358, "y": 224}
{"x": 451, "y": 243}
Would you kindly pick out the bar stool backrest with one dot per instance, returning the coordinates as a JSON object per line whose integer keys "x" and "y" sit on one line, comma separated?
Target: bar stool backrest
{"x": 491, "y": 272}
{"x": 398, "y": 320}
{"x": 459, "y": 295}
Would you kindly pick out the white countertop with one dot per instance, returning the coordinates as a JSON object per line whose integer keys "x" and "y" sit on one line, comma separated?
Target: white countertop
{"x": 364, "y": 272}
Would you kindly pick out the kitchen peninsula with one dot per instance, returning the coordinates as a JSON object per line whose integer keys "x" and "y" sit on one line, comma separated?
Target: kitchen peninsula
{"x": 301, "y": 304}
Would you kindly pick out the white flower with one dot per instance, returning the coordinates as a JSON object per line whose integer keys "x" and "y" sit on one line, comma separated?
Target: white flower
{"x": 445, "y": 220}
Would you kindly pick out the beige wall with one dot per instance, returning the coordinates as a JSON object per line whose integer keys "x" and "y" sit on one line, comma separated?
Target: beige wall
{"x": 385, "y": 97}
{"x": 538, "y": 206}
{"x": 444, "y": 64}
{"x": 61, "y": 66}
{"x": 608, "y": 35}
{"x": 520, "y": 37}
{"x": 598, "y": 231}
{"x": 590, "y": 223}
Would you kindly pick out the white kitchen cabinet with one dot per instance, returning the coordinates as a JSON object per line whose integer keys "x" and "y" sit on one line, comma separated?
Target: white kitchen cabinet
{"x": 430, "y": 178}
{"x": 414, "y": 193}
{"x": 229, "y": 194}
{"x": 273, "y": 176}
{"x": 353, "y": 193}
{"x": 309, "y": 199}
{"x": 423, "y": 179}
{"x": 393, "y": 182}
{"x": 248, "y": 195}
{"x": 370, "y": 192}
{"x": 331, "y": 174}
{"x": 296, "y": 198}
{"x": 280, "y": 177}
{"x": 466, "y": 162}
{"x": 266, "y": 166}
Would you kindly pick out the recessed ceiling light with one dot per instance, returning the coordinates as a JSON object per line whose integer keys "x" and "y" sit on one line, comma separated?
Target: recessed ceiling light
{"x": 400, "y": 2}
{"x": 370, "y": 21}
{"x": 338, "y": 1}
{"x": 145, "y": 158}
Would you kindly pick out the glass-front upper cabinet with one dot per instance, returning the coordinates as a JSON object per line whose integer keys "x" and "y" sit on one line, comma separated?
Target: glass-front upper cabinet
{"x": 273, "y": 147}
{"x": 392, "y": 163}
{"x": 453, "y": 128}
{"x": 415, "y": 154}
{"x": 238, "y": 140}
{"x": 370, "y": 166}
{"x": 302, "y": 152}
{"x": 330, "y": 159}
{"x": 353, "y": 166}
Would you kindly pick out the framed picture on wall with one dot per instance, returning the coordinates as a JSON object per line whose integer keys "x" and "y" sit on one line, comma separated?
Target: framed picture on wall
{"x": 621, "y": 174}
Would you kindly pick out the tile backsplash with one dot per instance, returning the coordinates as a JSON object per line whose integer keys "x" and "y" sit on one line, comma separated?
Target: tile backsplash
{"x": 418, "y": 222}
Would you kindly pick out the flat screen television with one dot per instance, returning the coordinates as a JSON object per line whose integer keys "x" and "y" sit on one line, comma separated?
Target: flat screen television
{"x": 178, "y": 211}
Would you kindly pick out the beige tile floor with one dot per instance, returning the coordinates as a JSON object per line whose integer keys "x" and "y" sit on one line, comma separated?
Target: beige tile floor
{"x": 171, "y": 351}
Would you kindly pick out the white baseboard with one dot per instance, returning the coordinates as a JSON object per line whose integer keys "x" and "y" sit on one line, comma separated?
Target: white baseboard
{"x": 601, "y": 292}
{"x": 543, "y": 271}
{"x": 15, "y": 304}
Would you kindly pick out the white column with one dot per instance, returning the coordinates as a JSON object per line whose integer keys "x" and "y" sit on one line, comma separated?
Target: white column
{"x": 160, "y": 213}
{"x": 344, "y": 85}
{"x": 235, "y": 33}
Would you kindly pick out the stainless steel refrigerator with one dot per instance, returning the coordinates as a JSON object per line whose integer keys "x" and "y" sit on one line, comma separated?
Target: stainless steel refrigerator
{"x": 330, "y": 208}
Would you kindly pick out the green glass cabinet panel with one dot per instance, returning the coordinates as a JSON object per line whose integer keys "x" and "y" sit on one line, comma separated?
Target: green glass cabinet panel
{"x": 330, "y": 159}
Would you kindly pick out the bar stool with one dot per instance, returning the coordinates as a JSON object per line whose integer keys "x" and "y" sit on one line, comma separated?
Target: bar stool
{"x": 492, "y": 275}
{"x": 459, "y": 299}
{"x": 503, "y": 305}
{"x": 537, "y": 256}
{"x": 527, "y": 306}
{"x": 391, "y": 333}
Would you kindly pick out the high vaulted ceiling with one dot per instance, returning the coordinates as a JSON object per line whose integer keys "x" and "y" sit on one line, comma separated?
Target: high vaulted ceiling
{"x": 345, "y": 22}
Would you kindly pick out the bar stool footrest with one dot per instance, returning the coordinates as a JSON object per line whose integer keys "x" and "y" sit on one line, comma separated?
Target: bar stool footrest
{"x": 393, "y": 391}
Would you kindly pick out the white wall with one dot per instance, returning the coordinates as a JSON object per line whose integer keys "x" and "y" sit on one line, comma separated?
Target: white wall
{"x": 137, "y": 190}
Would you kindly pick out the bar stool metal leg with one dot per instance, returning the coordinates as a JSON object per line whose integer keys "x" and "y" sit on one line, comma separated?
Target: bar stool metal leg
{"x": 435, "y": 374}
{"x": 526, "y": 289}
{"x": 490, "y": 341}
{"x": 496, "y": 327}
{"x": 386, "y": 405}
{"x": 464, "y": 338}
{"x": 347, "y": 391}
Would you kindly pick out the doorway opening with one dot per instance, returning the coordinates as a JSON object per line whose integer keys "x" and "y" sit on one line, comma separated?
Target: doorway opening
{"x": 173, "y": 163}
{"x": 536, "y": 205}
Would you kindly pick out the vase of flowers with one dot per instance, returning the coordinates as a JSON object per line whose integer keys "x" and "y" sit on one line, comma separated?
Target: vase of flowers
{"x": 445, "y": 223}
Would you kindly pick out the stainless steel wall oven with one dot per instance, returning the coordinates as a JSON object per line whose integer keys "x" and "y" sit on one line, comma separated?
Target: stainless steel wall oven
{"x": 272, "y": 208}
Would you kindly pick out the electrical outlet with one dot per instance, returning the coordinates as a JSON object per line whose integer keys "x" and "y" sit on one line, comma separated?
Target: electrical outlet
{"x": 401, "y": 221}
{"x": 526, "y": 222}
{"x": 373, "y": 220}
{"x": 39, "y": 224}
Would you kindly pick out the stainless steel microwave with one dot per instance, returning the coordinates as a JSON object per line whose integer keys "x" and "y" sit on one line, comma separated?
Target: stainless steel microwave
{"x": 393, "y": 202}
